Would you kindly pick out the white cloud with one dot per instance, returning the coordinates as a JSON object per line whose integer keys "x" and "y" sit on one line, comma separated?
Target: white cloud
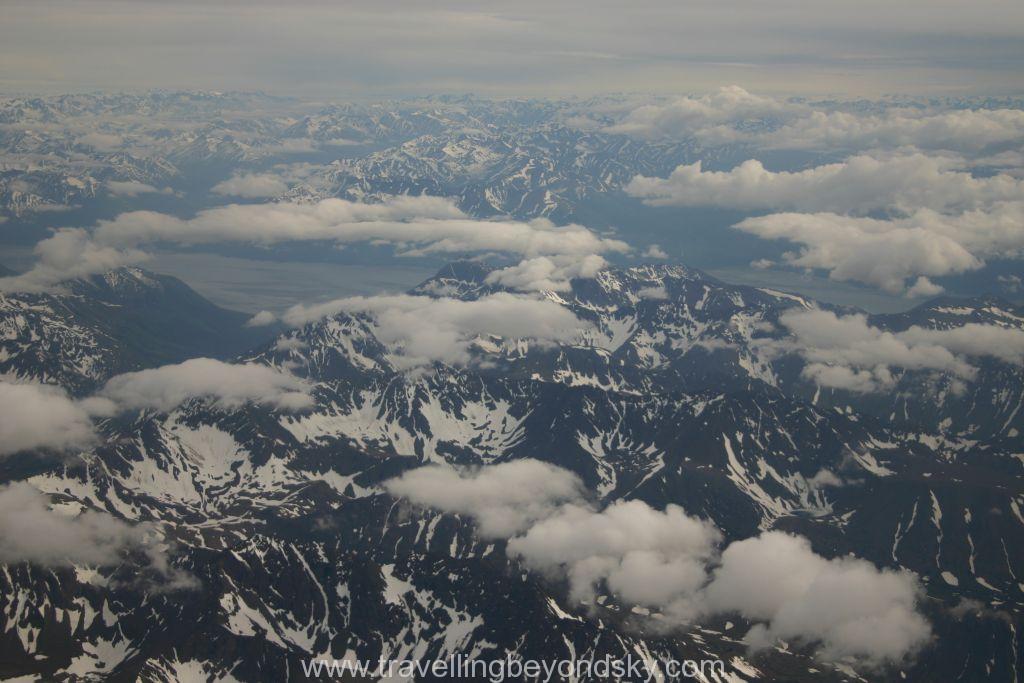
{"x": 289, "y": 344}
{"x": 655, "y": 251}
{"x": 936, "y": 218}
{"x": 426, "y": 224}
{"x": 69, "y": 254}
{"x": 712, "y": 117}
{"x": 846, "y": 604}
{"x": 132, "y": 188}
{"x": 31, "y": 531}
{"x": 262, "y": 318}
{"x": 657, "y": 293}
{"x": 885, "y": 253}
{"x": 420, "y": 330}
{"x": 846, "y": 352}
{"x": 669, "y": 561}
{"x": 733, "y": 115}
{"x": 960, "y": 130}
{"x": 36, "y": 416}
{"x": 505, "y": 499}
{"x": 859, "y": 185}
{"x": 647, "y": 557}
{"x": 271, "y": 183}
{"x": 551, "y": 273}
{"x": 227, "y": 385}
{"x": 923, "y": 287}
{"x": 416, "y": 225}
{"x": 973, "y": 339}
{"x": 843, "y": 377}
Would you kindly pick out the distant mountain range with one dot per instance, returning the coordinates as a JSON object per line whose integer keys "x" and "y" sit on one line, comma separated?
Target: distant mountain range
{"x": 517, "y": 158}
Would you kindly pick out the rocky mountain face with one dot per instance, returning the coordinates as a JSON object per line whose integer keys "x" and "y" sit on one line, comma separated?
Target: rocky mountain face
{"x": 670, "y": 396}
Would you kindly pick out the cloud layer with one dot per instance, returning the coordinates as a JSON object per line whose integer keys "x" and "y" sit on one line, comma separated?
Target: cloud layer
{"x": 733, "y": 115}
{"x": 902, "y": 209}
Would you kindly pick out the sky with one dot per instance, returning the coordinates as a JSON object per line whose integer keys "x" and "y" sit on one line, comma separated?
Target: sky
{"x": 530, "y": 47}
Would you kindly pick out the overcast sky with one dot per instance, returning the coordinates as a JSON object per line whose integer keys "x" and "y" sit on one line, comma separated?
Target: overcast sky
{"x": 544, "y": 47}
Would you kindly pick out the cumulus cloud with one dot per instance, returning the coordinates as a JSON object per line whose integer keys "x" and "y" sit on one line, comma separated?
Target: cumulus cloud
{"x": 272, "y": 183}
{"x": 712, "y": 118}
{"x": 886, "y": 252}
{"x": 36, "y": 416}
{"x": 893, "y": 220}
{"x": 973, "y": 339}
{"x": 416, "y": 225}
{"x": 646, "y": 557}
{"x": 846, "y": 604}
{"x": 551, "y": 273}
{"x": 655, "y": 251}
{"x": 420, "y": 330}
{"x": 858, "y": 185}
{"x": 68, "y": 254}
{"x": 846, "y": 352}
{"x": 657, "y": 293}
{"x": 260, "y": 319}
{"x": 504, "y": 499}
{"x": 228, "y": 385}
{"x": 32, "y": 531}
{"x": 132, "y": 188}
{"x": 880, "y": 253}
{"x": 671, "y": 562}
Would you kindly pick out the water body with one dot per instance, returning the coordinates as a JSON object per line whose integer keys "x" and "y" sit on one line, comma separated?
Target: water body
{"x": 816, "y": 287}
{"x": 253, "y": 285}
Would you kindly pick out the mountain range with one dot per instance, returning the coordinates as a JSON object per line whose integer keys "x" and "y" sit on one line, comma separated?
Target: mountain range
{"x": 678, "y": 390}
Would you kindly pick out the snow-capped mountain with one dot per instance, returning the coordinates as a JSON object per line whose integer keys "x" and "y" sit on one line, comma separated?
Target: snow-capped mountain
{"x": 534, "y": 171}
{"x": 508, "y": 157}
{"x": 671, "y": 395}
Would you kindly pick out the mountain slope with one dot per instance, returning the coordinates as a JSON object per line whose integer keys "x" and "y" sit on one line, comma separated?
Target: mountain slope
{"x": 300, "y": 552}
{"x": 100, "y": 326}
